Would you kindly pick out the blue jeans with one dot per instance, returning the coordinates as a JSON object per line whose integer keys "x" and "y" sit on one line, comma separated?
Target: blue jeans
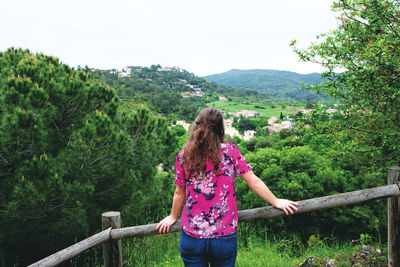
{"x": 218, "y": 252}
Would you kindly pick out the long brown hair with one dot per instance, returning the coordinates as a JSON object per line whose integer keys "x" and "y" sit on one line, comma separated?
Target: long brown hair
{"x": 204, "y": 143}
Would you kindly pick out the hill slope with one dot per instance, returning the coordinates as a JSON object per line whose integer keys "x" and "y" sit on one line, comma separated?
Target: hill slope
{"x": 274, "y": 83}
{"x": 173, "y": 93}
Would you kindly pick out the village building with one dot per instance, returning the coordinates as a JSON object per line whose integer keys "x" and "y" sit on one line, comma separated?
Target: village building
{"x": 228, "y": 122}
{"x": 272, "y": 120}
{"x": 232, "y": 132}
{"x": 186, "y": 94}
{"x": 303, "y": 111}
{"x": 276, "y": 127}
{"x": 165, "y": 69}
{"x": 184, "y": 124}
{"x": 195, "y": 93}
{"x": 248, "y": 134}
{"x": 330, "y": 110}
{"x": 198, "y": 92}
{"x": 223, "y": 98}
{"x": 124, "y": 74}
{"x": 121, "y": 72}
{"x": 245, "y": 113}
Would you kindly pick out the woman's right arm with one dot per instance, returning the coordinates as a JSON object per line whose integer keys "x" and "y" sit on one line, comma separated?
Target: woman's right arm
{"x": 177, "y": 204}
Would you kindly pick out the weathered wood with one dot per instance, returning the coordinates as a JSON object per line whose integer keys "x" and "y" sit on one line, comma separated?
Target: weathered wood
{"x": 323, "y": 202}
{"x": 74, "y": 250}
{"x": 394, "y": 221}
{"x": 141, "y": 230}
{"x": 269, "y": 212}
{"x": 112, "y": 250}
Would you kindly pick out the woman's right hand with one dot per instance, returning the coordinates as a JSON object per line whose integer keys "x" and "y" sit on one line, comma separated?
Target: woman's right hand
{"x": 165, "y": 224}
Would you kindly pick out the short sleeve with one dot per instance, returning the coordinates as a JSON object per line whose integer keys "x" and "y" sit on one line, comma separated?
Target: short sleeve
{"x": 180, "y": 176}
{"x": 241, "y": 165}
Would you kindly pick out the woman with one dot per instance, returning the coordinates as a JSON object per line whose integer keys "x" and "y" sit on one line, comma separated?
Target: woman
{"x": 205, "y": 172}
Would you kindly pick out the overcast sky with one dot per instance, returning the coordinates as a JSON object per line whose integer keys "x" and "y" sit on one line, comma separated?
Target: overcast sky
{"x": 202, "y": 36}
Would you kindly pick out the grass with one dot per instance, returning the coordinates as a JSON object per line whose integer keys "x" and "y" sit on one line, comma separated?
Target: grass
{"x": 159, "y": 250}
{"x": 163, "y": 250}
{"x": 267, "y": 111}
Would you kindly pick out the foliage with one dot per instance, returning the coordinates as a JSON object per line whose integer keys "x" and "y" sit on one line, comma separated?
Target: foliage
{"x": 365, "y": 239}
{"x": 302, "y": 166}
{"x": 67, "y": 154}
{"x": 245, "y": 124}
{"x": 366, "y": 46}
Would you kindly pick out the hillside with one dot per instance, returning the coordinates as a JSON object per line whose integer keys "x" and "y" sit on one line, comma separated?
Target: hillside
{"x": 274, "y": 83}
{"x": 176, "y": 93}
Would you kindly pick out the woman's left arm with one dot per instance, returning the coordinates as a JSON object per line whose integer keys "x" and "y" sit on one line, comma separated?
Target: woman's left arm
{"x": 177, "y": 204}
{"x": 258, "y": 186}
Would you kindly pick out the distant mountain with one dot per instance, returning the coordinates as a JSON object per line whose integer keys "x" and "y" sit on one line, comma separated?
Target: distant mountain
{"x": 274, "y": 83}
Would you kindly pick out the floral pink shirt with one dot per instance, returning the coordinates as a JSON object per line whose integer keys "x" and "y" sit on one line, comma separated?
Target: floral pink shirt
{"x": 210, "y": 209}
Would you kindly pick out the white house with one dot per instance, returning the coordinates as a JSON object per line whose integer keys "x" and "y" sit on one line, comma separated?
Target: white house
{"x": 232, "y": 132}
{"x": 248, "y": 134}
{"x": 276, "y": 127}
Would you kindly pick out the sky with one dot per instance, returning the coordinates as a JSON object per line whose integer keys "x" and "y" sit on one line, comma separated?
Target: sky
{"x": 203, "y": 37}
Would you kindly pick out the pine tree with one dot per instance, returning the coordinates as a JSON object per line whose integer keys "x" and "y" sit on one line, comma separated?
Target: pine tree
{"x": 67, "y": 154}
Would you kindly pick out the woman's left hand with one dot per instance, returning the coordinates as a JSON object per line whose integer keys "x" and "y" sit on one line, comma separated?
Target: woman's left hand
{"x": 164, "y": 225}
{"x": 287, "y": 206}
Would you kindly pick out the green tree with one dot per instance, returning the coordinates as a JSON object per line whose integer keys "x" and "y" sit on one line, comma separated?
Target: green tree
{"x": 246, "y": 124}
{"x": 261, "y": 121}
{"x": 301, "y": 173}
{"x": 366, "y": 49}
{"x": 67, "y": 154}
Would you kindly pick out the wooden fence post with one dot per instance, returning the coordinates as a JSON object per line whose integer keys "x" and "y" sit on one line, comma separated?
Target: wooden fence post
{"x": 112, "y": 250}
{"x": 394, "y": 221}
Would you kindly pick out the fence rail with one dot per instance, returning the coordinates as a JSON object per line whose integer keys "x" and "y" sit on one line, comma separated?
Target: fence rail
{"x": 110, "y": 237}
{"x": 75, "y": 250}
{"x": 270, "y": 212}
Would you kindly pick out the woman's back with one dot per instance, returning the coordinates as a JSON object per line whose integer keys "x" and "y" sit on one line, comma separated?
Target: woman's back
{"x": 205, "y": 177}
{"x": 210, "y": 209}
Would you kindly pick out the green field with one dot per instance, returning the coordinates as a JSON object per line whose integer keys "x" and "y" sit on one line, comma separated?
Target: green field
{"x": 265, "y": 110}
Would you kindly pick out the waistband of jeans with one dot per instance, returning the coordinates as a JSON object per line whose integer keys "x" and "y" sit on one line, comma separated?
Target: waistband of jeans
{"x": 187, "y": 234}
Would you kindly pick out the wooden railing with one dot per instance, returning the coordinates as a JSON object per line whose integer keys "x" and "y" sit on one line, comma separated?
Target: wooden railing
{"x": 112, "y": 235}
